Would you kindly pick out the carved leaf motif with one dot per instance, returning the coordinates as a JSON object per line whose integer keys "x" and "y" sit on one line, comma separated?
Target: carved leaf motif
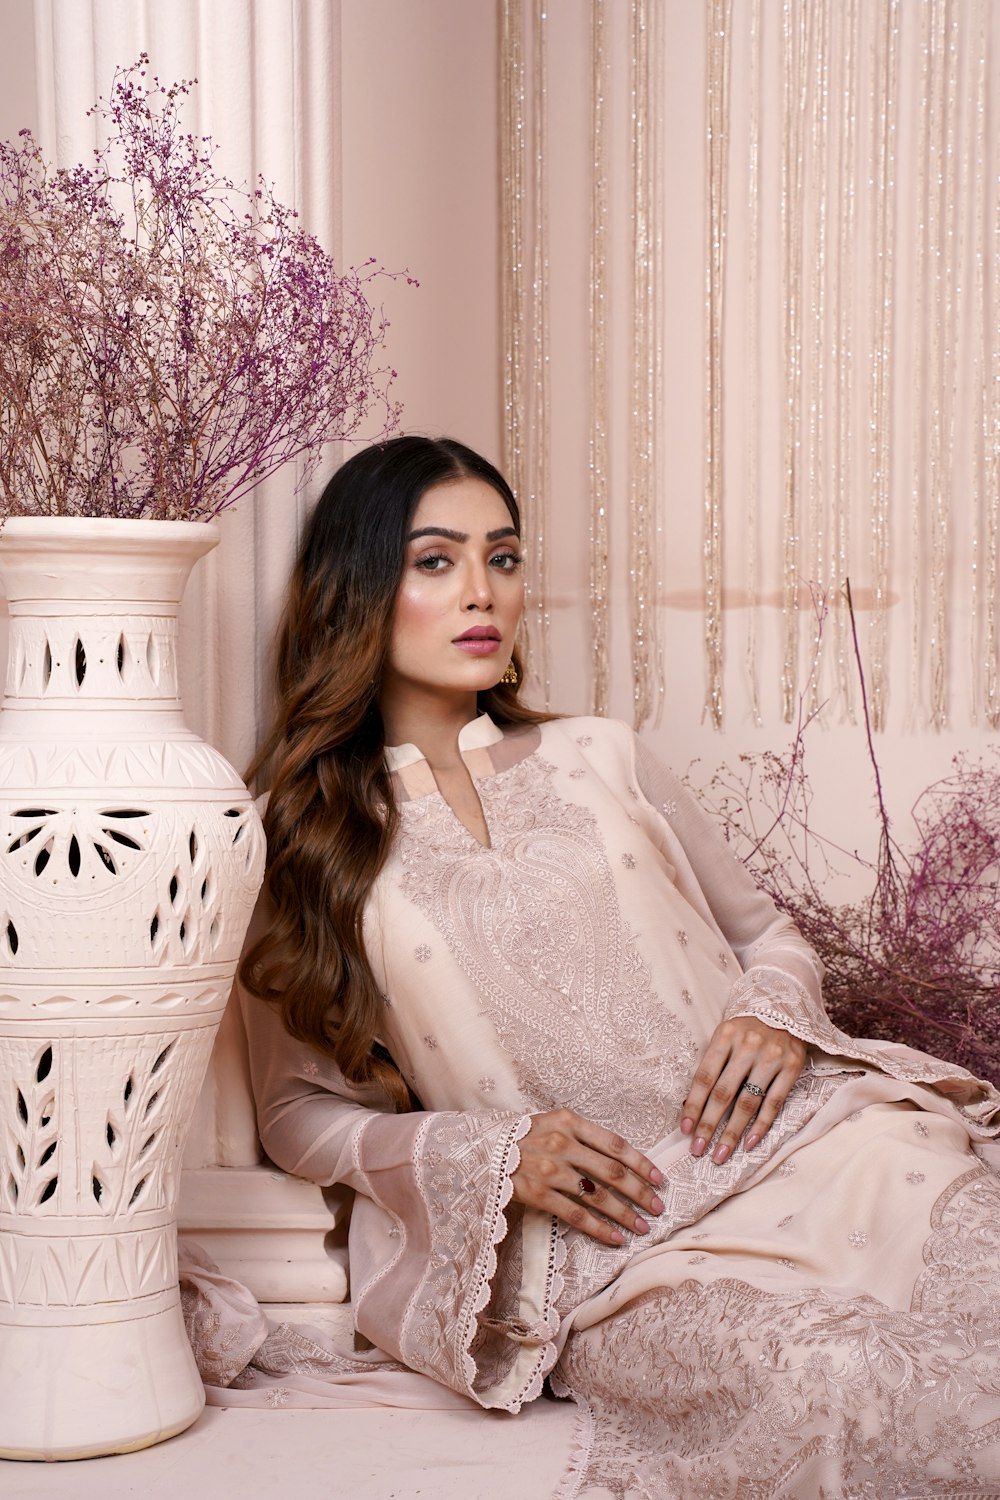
{"x": 32, "y": 1171}
{"x": 75, "y": 849}
{"x": 130, "y": 1163}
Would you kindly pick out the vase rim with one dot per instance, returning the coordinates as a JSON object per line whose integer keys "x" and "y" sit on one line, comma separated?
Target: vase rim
{"x": 88, "y": 525}
{"x": 23, "y": 538}
{"x": 99, "y": 561}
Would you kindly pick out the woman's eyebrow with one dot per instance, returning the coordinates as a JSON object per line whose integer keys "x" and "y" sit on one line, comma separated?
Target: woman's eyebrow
{"x": 459, "y": 536}
{"x": 453, "y": 536}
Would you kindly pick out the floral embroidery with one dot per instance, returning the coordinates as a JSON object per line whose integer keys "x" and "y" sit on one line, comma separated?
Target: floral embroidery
{"x": 576, "y": 773}
{"x": 783, "y": 1223}
{"x": 633, "y": 821}
{"x": 682, "y": 937}
{"x": 628, "y": 860}
{"x": 787, "y": 1168}
{"x": 789, "y": 1265}
{"x": 310, "y": 1067}
{"x": 487, "y": 1084}
{"x": 288, "y": 1350}
{"x": 633, "y": 793}
{"x": 686, "y": 997}
{"x": 858, "y": 1238}
{"x": 921, "y": 1128}
{"x": 697, "y": 1260}
{"x": 723, "y": 959}
{"x": 584, "y": 740}
{"x": 278, "y": 1396}
{"x": 916, "y": 1178}
{"x": 668, "y": 808}
{"x": 853, "y": 1117}
{"x": 429, "y": 1040}
{"x": 422, "y": 954}
{"x": 386, "y": 1000}
{"x": 726, "y": 1390}
{"x": 462, "y": 1163}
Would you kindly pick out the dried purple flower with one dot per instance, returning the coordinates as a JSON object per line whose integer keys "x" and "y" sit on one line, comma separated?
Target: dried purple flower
{"x": 918, "y": 960}
{"x": 167, "y": 340}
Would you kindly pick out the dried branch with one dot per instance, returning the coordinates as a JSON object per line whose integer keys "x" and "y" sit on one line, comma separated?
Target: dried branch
{"x": 917, "y": 960}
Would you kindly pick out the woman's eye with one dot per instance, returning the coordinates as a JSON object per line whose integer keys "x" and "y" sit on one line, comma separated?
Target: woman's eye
{"x": 506, "y": 562}
{"x": 432, "y": 562}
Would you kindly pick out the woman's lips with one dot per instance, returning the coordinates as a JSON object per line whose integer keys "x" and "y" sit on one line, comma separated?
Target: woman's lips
{"x": 481, "y": 641}
{"x": 477, "y": 645}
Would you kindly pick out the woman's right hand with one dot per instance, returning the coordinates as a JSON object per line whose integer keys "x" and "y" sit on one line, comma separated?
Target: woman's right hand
{"x": 562, "y": 1153}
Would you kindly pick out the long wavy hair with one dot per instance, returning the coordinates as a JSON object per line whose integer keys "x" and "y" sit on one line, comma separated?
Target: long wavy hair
{"x": 331, "y": 815}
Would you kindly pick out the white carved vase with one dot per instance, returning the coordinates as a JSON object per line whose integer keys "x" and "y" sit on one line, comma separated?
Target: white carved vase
{"x": 130, "y": 858}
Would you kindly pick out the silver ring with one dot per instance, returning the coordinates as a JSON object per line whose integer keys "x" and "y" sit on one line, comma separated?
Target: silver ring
{"x": 755, "y": 1089}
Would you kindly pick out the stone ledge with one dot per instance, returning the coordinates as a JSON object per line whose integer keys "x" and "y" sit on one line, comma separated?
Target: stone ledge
{"x": 276, "y": 1234}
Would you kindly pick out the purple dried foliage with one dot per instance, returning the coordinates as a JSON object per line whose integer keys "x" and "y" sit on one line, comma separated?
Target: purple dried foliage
{"x": 167, "y": 340}
{"x": 916, "y": 960}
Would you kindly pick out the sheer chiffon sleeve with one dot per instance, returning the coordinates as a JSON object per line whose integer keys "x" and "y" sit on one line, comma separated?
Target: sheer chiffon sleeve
{"x": 446, "y": 1274}
{"x": 781, "y": 973}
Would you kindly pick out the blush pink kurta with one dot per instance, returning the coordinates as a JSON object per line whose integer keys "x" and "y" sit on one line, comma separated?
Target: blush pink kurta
{"x": 819, "y": 1314}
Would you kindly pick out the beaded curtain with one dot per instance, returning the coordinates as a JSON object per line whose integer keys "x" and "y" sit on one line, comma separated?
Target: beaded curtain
{"x": 843, "y": 172}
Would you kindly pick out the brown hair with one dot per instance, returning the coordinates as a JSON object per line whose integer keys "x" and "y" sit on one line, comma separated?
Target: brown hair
{"x": 331, "y": 816}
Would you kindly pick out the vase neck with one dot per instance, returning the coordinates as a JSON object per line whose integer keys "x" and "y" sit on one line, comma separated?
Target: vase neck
{"x": 93, "y": 611}
{"x": 115, "y": 659}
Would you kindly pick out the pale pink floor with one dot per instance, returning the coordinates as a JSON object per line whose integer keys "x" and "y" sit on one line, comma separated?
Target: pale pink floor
{"x": 281, "y": 1455}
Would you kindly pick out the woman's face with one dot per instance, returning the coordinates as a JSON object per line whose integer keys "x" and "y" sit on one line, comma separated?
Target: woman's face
{"x": 461, "y": 595}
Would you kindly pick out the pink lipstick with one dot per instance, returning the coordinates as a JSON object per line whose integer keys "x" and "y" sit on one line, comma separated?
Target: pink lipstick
{"x": 480, "y": 640}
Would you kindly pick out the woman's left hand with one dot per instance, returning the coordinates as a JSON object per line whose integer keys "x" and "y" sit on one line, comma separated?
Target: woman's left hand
{"x": 748, "y": 1068}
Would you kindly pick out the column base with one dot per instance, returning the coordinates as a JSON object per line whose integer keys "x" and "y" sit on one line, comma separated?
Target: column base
{"x": 281, "y": 1237}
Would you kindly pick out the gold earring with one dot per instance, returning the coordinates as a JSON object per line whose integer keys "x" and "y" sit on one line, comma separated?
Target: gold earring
{"x": 510, "y": 674}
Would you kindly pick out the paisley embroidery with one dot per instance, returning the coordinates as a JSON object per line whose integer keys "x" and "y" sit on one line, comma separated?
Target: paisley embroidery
{"x": 536, "y": 925}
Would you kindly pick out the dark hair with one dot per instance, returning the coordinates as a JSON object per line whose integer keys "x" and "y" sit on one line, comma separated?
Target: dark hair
{"x": 331, "y": 816}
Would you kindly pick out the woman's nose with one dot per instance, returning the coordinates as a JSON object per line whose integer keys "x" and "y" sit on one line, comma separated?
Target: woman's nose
{"x": 479, "y": 589}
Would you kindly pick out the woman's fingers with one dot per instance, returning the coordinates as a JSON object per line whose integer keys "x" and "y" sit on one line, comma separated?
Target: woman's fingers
{"x": 587, "y": 1176}
{"x": 697, "y": 1109}
{"x": 745, "y": 1076}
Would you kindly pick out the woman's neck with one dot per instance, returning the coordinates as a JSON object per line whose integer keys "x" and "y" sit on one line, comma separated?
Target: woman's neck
{"x": 432, "y": 723}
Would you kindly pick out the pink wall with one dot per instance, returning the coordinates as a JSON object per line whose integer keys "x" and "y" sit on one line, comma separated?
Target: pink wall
{"x": 18, "y": 107}
{"x": 419, "y": 191}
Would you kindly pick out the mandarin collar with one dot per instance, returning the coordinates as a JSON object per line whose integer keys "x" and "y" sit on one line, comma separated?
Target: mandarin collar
{"x": 475, "y": 735}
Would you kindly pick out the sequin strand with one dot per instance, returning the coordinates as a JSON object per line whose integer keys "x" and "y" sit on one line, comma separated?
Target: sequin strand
{"x": 717, "y": 143}
{"x": 599, "y": 408}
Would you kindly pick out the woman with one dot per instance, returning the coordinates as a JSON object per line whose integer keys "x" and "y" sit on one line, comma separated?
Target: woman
{"x": 509, "y": 985}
